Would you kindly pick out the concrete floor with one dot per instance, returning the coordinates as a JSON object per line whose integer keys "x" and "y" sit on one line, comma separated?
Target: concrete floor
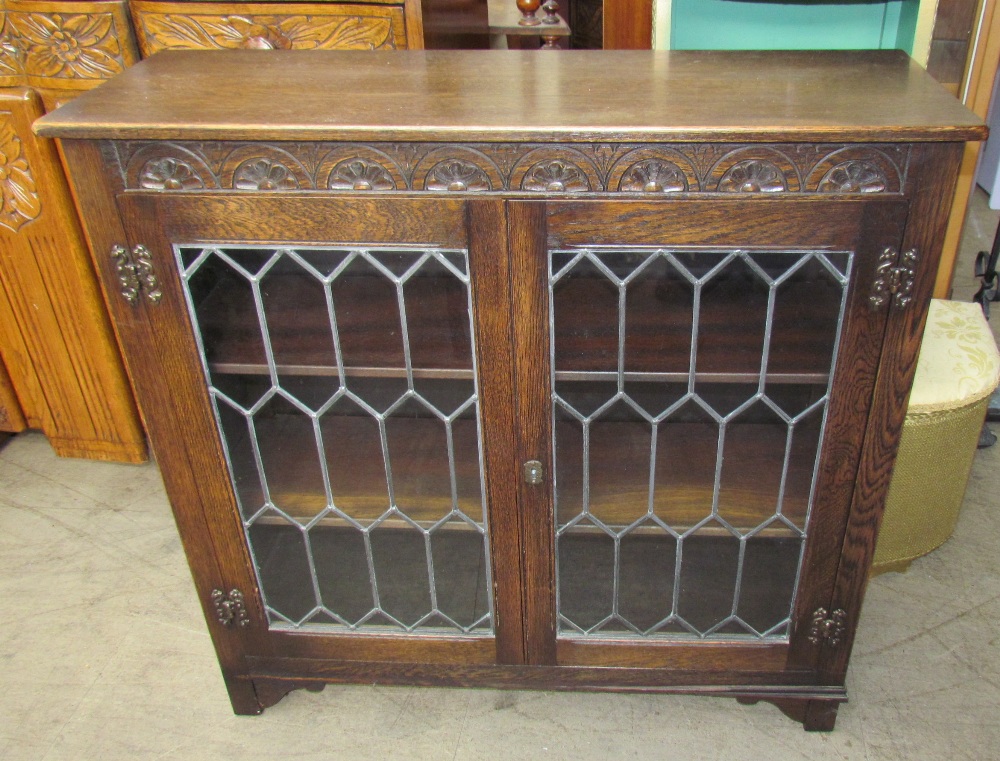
{"x": 104, "y": 654}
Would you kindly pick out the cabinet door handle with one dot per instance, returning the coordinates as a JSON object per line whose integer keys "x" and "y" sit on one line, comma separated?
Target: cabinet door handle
{"x": 534, "y": 473}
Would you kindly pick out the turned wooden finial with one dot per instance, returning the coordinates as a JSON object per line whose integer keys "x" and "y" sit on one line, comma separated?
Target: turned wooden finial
{"x": 550, "y": 7}
{"x": 528, "y": 9}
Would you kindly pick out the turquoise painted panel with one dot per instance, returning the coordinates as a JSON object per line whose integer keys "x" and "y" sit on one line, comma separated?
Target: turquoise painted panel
{"x": 796, "y": 25}
{"x": 908, "y": 15}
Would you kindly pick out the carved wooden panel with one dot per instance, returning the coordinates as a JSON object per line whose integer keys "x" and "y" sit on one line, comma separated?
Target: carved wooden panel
{"x": 19, "y": 201}
{"x": 70, "y": 45}
{"x": 11, "y": 63}
{"x": 56, "y": 339}
{"x": 266, "y": 26}
{"x": 530, "y": 168}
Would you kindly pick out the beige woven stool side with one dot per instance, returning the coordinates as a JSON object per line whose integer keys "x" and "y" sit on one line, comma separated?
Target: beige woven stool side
{"x": 957, "y": 371}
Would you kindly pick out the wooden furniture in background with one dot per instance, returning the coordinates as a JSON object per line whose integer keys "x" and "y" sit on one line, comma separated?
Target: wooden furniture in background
{"x": 628, "y": 24}
{"x": 981, "y": 65}
{"x": 56, "y": 340}
{"x": 371, "y": 25}
{"x": 509, "y": 22}
{"x": 955, "y": 26}
{"x": 504, "y": 389}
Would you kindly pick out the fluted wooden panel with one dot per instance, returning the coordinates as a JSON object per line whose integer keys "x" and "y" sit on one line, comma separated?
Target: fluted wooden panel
{"x": 11, "y": 418}
{"x": 65, "y": 348}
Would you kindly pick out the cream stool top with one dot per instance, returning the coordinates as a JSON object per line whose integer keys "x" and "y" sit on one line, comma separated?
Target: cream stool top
{"x": 959, "y": 363}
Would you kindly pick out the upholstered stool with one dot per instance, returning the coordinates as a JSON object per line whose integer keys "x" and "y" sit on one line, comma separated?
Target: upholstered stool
{"x": 957, "y": 370}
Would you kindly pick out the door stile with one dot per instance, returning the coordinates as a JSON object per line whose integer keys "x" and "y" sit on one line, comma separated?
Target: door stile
{"x": 490, "y": 270}
{"x": 529, "y": 263}
{"x": 845, "y": 438}
{"x": 934, "y": 173}
{"x": 133, "y": 326}
{"x": 205, "y": 499}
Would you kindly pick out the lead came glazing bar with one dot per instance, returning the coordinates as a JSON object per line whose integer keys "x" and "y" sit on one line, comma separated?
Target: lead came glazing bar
{"x": 339, "y": 537}
{"x": 716, "y": 550}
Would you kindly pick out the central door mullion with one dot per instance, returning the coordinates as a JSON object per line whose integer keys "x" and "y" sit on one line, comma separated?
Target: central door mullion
{"x": 490, "y": 270}
{"x": 526, "y": 224}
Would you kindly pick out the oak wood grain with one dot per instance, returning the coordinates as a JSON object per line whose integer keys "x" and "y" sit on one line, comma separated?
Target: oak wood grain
{"x": 490, "y": 273}
{"x": 530, "y": 317}
{"x": 520, "y": 95}
{"x": 934, "y": 184}
{"x": 880, "y": 226}
{"x": 760, "y": 684}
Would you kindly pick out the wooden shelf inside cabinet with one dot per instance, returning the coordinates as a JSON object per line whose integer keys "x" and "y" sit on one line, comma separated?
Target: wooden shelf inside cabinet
{"x": 367, "y": 320}
{"x": 505, "y": 388}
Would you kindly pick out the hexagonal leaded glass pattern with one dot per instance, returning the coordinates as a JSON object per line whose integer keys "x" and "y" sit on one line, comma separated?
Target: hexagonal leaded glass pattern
{"x": 344, "y": 385}
{"x": 689, "y": 391}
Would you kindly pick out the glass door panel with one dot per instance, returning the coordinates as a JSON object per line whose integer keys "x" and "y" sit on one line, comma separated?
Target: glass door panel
{"x": 343, "y": 380}
{"x": 689, "y": 392}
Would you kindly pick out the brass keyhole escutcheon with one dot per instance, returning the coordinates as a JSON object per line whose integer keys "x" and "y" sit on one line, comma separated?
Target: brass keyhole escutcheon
{"x": 533, "y": 472}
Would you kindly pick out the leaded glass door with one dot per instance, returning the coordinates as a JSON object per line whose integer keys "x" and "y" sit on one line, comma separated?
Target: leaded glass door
{"x": 338, "y": 345}
{"x": 703, "y": 370}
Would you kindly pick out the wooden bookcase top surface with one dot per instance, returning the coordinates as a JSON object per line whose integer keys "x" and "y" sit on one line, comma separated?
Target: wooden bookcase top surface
{"x": 517, "y": 96}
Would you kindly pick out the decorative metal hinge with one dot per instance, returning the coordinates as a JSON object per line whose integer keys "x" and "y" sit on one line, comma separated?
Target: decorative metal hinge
{"x": 230, "y": 608}
{"x": 125, "y": 270}
{"x": 146, "y": 274}
{"x": 892, "y": 281}
{"x": 136, "y": 274}
{"x": 829, "y": 630}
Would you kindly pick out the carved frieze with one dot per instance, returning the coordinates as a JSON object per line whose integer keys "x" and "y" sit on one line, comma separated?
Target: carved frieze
{"x": 263, "y": 174}
{"x": 19, "y": 201}
{"x": 753, "y": 176}
{"x": 456, "y": 175}
{"x": 854, "y": 177}
{"x": 360, "y": 174}
{"x": 195, "y": 31}
{"x": 169, "y": 174}
{"x": 653, "y": 176}
{"x": 555, "y": 176}
{"x": 531, "y": 168}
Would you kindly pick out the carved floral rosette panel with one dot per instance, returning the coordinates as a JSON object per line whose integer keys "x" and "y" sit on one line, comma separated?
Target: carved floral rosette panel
{"x": 61, "y": 45}
{"x": 366, "y": 28}
{"x": 648, "y": 170}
